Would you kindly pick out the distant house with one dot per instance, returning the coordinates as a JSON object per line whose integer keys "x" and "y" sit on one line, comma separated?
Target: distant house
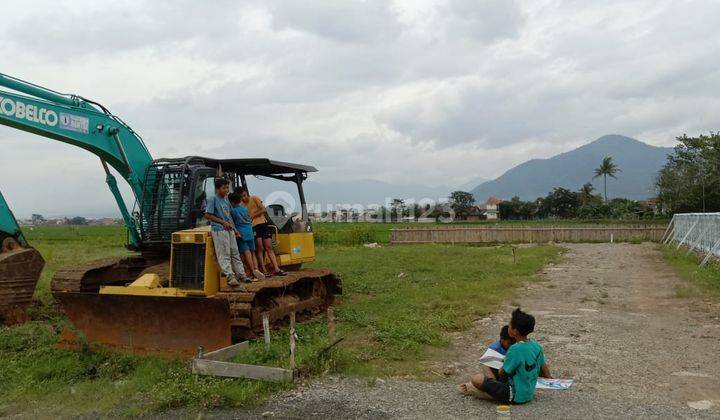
{"x": 486, "y": 211}
{"x": 105, "y": 221}
{"x": 492, "y": 208}
{"x": 651, "y": 206}
{"x": 473, "y": 214}
{"x": 57, "y": 222}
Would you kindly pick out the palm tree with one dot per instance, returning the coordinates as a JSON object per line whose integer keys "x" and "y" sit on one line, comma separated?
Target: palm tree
{"x": 606, "y": 168}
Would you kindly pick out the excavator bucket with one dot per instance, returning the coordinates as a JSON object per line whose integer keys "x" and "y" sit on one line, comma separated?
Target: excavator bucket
{"x": 20, "y": 270}
{"x": 171, "y": 326}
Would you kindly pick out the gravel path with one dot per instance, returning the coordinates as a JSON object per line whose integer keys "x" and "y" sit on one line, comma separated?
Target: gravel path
{"x": 609, "y": 316}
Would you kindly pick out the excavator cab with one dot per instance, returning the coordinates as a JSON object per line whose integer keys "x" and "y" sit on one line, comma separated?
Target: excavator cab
{"x": 173, "y": 199}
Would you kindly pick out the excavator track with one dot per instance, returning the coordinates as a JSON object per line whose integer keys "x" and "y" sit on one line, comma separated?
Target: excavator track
{"x": 20, "y": 270}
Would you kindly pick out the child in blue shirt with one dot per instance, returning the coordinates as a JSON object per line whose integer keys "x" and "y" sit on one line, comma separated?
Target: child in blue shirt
{"x": 245, "y": 235}
{"x": 222, "y": 229}
{"x": 503, "y": 344}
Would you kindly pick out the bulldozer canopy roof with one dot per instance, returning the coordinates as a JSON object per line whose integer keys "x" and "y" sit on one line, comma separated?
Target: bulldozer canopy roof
{"x": 259, "y": 166}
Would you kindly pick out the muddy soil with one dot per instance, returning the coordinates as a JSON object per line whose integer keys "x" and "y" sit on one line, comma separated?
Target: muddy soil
{"x": 614, "y": 317}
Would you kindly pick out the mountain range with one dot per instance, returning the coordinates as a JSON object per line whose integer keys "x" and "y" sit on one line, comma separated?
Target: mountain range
{"x": 638, "y": 162}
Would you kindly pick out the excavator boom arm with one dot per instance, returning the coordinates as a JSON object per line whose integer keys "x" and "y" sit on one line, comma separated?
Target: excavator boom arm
{"x": 83, "y": 123}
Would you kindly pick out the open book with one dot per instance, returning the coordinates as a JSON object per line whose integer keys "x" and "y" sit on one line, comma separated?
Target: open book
{"x": 495, "y": 360}
{"x": 492, "y": 359}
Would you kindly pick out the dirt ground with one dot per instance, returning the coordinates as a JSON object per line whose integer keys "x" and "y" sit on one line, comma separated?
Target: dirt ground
{"x": 614, "y": 317}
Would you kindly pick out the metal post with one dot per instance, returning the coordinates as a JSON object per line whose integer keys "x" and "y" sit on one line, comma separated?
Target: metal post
{"x": 697, "y": 243}
{"x": 710, "y": 253}
{"x": 331, "y": 323}
{"x": 667, "y": 229}
{"x": 293, "y": 337}
{"x": 669, "y": 237}
{"x": 266, "y": 329}
{"x": 686, "y": 235}
{"x": 301, "y": 193}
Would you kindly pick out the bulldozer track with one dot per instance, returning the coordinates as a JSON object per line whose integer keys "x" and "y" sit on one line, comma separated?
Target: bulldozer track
{"x": 305, "y": 292}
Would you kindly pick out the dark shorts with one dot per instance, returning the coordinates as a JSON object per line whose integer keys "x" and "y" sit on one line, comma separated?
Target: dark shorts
{"x": 263, "y": 230}
{"x": 245, "y": 245}
{"x": 499, "y": 389}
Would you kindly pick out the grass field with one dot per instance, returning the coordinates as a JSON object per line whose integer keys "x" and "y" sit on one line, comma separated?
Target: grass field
{"x": 399, "y": 303}
{"x": 688, "y": 267}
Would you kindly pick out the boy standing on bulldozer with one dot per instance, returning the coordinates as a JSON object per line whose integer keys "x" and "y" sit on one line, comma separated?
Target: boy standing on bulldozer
{"x": 263, "y": 232}
{"x": 245, "y": 236}
{"x": 223, "y": 230}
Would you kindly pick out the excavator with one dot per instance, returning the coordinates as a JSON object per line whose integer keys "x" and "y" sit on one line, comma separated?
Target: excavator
{"x": 20, "y": 268}
{"x": 169, "y": 296}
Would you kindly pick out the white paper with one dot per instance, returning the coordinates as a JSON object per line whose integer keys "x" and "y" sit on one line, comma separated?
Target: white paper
{"x": 492, "y": 359}
{"x": 543, "y": 383}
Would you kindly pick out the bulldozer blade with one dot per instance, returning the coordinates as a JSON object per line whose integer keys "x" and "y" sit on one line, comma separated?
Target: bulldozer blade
{"x": 169, "y": 326}
{"x": 19, "y": 272}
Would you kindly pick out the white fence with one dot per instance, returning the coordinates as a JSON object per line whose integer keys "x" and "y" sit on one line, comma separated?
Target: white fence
{"x": 698, "y": 231}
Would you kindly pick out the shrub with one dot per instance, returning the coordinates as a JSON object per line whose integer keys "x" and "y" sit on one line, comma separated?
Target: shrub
{"x": 357, "y": 235}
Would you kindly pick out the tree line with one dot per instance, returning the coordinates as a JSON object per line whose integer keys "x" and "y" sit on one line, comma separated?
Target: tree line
{"x": 690, "y": 180}
{"x": 562, "y": 203}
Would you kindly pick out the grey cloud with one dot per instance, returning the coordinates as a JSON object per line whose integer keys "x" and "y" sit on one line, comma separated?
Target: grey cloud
{"x": 484, "y": 20}
{"x": 68, "y": 34}
{"x": 347, "y": 21}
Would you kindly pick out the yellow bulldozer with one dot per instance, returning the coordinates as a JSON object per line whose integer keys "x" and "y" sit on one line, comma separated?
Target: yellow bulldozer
{"x": 177, "y": 305}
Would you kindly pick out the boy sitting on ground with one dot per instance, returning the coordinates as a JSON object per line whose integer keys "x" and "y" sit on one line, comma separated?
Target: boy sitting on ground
{"x": 524, "y": 363}
{"x": 245, "y": 236}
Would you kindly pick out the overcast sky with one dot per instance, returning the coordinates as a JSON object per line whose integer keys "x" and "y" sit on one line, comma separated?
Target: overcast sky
{"x": 403, "y": 91}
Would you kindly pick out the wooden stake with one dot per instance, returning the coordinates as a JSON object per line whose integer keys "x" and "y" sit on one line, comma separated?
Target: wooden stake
{"x": 292, "y": 341}
{"x": 266, "y": 329}
{"x": 331, "y": 323}
{"x": 514, "y": 257}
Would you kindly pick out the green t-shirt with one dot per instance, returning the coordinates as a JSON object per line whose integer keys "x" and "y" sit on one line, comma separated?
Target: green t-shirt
{"x": 522, "y": 365}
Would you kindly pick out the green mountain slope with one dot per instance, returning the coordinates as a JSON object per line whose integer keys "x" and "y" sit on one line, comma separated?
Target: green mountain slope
{"x": 638, "y": 161}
